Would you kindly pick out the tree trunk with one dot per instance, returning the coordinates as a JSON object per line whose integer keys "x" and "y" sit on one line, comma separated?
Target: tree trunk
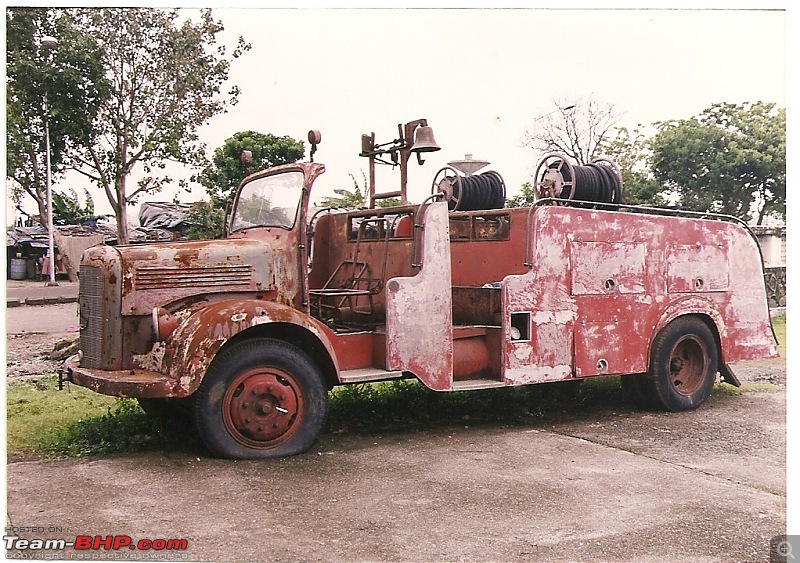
{"x": 761, "y": 213}
{"x": 42, "y": 204}
{"x": 121, "y": 211}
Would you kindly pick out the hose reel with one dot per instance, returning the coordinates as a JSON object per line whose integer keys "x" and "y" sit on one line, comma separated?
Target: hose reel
{"x": 598, "y": 182}
{"x": 470, "y": 193}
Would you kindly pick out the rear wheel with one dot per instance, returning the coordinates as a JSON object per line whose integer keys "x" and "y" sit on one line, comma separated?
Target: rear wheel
{"x": 683, "y": 364}
{"x": 261, "y": 398}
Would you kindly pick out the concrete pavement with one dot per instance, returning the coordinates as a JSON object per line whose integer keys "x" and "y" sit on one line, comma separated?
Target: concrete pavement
{"x": 621, "y": 485}
{"x": 33, "y": 292}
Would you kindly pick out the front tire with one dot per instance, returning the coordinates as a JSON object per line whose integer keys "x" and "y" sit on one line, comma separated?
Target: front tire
{"x": 683, "y": 365}
{"x": 261, "y": 398}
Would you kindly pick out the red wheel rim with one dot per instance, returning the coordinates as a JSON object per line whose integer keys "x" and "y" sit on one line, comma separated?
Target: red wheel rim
{"x": 687, "y": 366}
{"x": 262, "y": 407}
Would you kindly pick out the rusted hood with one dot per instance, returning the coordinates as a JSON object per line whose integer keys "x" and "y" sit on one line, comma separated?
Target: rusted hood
{"x": 157, "y": 274}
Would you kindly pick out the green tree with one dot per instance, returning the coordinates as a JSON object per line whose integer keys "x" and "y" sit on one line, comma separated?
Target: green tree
{"x": 630, "y": 150}
{"x": 166, "y": 77}
{"x": 526, "y": 198}
{"x": 67, "y": 209}
{"x": 731, "y": 159}
{"x": 347, "y": 199}
{"x": 227, "y": 168}
{"x": 205, "y": 221}
{"x": 350, "y": 199}
{"x": 70, "y": 78}
{"x": 356, "y": 198}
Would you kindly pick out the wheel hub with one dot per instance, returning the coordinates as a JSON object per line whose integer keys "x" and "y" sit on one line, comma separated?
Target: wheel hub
{"x": 261, "y": 406}
{"x": 688, "y": 366}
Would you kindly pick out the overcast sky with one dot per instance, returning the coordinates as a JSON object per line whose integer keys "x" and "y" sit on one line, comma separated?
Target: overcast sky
{"x": 480, "y": 77}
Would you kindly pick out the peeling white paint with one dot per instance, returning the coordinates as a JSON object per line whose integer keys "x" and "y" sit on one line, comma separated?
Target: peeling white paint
{"x": 522, "y": 353}
{"x": 152, "y": 360}
{"x": 538, "y": 374}
{"x": 557, "y": 317}
{"x": 262, "y": 320}
{"x": 186, "y": 381}
{"x": 419, "y": 309}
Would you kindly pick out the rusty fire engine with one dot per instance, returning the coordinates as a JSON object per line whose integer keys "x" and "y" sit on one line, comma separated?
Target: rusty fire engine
{"x": 458, "y": 291}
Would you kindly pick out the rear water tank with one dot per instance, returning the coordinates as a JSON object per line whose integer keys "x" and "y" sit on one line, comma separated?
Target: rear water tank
{"x": 470, "y": 358}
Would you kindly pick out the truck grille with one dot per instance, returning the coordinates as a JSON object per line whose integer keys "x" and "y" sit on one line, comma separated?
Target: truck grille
{"x": 91, "y": 316}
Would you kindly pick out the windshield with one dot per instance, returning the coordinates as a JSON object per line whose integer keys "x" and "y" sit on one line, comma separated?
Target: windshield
{"x": 269, "y": 202}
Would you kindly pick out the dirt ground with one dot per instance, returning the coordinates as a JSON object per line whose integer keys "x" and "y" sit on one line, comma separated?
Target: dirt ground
{"x": 32, "y": 335}
{"x": 617, "y": 485}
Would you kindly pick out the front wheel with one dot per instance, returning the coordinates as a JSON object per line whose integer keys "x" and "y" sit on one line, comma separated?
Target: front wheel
{"x": 683, "y": 364}
{"x": 261, "y": 398}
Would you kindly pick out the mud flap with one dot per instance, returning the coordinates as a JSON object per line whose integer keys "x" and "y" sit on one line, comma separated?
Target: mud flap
{"x": 728, "y": 376}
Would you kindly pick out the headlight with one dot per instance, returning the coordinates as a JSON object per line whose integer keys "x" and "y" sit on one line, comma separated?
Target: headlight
{"x": 164, "y": 323}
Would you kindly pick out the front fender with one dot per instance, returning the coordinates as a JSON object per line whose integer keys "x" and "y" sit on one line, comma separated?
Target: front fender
{"x": 197, "y": 339}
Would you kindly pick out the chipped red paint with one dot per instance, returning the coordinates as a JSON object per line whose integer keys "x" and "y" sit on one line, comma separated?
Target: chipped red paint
{"x": 358, "y": 349}
{"x": 603, "y": 284}
{"x": 123, "y": 383}
{"x": 174, "y": 272}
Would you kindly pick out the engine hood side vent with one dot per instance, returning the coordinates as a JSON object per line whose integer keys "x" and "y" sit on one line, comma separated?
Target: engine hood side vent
{"x": 229, "y": 277}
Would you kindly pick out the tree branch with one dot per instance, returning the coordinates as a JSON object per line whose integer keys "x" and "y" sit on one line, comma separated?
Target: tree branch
{"x": 103, "y": 180}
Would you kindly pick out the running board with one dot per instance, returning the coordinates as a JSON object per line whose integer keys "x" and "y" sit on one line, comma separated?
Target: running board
{"x": 366, "y": 375}
{"x": 470, "y": 384}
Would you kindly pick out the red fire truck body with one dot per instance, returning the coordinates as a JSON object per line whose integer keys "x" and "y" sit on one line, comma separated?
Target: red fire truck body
{"x": 253, "y": 330}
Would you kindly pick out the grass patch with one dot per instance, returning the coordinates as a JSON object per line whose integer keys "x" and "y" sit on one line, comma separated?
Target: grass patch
{"x": 408, "y": 405}
{"x": 747, "y": 387}
{"x": 779, "y": 326}
{"x": 43, "y": 421}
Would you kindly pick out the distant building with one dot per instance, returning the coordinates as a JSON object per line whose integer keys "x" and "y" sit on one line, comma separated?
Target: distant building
{"x": 773, "y": 245}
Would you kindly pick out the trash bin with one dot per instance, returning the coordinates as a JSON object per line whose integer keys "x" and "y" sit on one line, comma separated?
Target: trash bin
{"x": 19, "y": 269}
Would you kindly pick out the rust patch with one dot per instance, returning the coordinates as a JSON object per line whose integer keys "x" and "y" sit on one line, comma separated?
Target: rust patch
{"x": 202, "y": 334}
{"x": 185, "y": 257}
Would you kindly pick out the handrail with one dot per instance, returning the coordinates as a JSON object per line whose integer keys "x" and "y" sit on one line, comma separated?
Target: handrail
{"x": 416, "y": 260}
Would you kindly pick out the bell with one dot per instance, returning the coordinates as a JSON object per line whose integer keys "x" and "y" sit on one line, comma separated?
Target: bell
{"x": 424, "y": 141}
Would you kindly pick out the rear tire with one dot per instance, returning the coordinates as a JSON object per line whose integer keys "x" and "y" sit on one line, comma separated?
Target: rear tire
{"x": 261, "y": 398}
{"x": 683, "y": 365}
